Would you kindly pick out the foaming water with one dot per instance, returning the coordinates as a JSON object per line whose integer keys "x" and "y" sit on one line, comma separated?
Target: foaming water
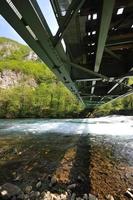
{"x": 110, "y": 125}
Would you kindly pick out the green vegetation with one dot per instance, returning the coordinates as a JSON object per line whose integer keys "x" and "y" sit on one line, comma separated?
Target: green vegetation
{"x": 49, "y": 99}
{"x": 121, "y": 105}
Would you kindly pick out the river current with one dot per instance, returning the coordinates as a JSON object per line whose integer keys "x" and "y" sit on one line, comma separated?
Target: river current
{"x": 99, "y": 150}
{"x": 110, "y": 125}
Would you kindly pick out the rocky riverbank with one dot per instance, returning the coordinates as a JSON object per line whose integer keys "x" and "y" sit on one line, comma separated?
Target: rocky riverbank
{"x": 61, "y": 167}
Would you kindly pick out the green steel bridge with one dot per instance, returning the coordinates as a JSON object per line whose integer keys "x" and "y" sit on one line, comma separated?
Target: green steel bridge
{"x": 91, "y": 52}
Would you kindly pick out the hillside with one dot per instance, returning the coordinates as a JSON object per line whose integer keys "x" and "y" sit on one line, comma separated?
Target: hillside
{"x": 28, "y": 88}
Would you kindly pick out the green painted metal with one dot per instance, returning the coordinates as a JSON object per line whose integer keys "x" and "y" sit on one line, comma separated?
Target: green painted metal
{"x": 120, "y": 96}
{"x": 95, "y": 74}
{"x": 104, "y": 28}
{"x": 107, "y": 50}
{"x": 42, "y": 45}
{"x": 37, "y": 8}
{"x": 56, "y": 9}
{"x": 119, "y": 42}
{"x": 73, "y": 8}
{"x": 45, "y": 45}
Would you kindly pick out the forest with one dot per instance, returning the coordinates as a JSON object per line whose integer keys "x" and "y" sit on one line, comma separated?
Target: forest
{"x": 49, "y": 98}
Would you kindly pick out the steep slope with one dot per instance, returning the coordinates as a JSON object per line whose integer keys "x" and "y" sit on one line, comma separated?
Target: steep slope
{"x": 28, "y": 88}
{"x": 10, "y": 49}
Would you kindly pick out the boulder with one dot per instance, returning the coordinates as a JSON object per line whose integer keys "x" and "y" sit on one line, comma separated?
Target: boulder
{"x": 8, "y": 191}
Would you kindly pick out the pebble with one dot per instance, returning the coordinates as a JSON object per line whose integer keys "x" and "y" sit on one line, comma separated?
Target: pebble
{"x": 73, "y": 197}
{"x": 39, "y": 184}
{"x": 63, "y": 196}
{"x": 85, "y": 197}
{"x": 28, "y": 189}
{"x": 92, "y": 197}
{"x": 53, "y": 180}
{"x": 110, "y": 197}
{"x": 34, "y": 195}
{"x": 80, "y": 179}
{"x": 72, "y": 186}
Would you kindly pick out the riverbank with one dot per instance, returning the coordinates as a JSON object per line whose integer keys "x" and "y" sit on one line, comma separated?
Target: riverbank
{"x": 97, "y": 165}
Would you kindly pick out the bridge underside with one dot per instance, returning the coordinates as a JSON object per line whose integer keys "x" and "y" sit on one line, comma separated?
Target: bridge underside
{"x": 91, "y": 53}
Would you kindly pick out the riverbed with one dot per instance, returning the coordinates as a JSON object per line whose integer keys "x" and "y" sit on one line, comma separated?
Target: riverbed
{"x": 98, "y": 150}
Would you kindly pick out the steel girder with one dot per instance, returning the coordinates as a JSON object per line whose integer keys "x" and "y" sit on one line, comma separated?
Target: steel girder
{"x": 26, "y": 20}
{"x": 73, "y": 8}
{"x": 104, "y": 28}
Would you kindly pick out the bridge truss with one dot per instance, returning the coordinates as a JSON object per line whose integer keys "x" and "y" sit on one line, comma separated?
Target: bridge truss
{"x": 91, "y": 52}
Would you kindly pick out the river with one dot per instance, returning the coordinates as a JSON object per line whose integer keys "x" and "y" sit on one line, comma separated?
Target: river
{"x": 99, "y": 150}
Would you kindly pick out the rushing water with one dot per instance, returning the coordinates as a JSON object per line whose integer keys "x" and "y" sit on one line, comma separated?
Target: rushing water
{"x": 100, "y": 149}
{"x": 111, "y": 125}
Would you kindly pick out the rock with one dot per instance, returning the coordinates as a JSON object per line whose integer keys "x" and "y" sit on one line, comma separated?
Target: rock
{"x": 19, "y": 153}
{"x": 47, "y": 196}
{"x": 10, "y": 78}
{"x": 28, "y": 189}
{"x": 92, "y": 197}
{"x": 34, "y": 195}
{"x": 53, "y": 197}
{"x": 31, "y": 56}
{"x": 63, "y": 196}
{"x": 15, "y": 151}
{"x": 26, "y": 196}
{"x": 37, "y": 193}
{"x": 53, "y": 182}
{"x": 39, "y": 184}
{"x": 20, "y": 196}
{"x": 109, "y": 197}
{"x": 73, "y": 197}
{"x": 85, "y": 197}
{"x": 17, "y": 178}
{"x": 49, "y": 177}
{"x": 80, "y": 179}
{"x": 72, "y": 186}
{"x": 129, "y": 193}
{"x": 8, "y": 191}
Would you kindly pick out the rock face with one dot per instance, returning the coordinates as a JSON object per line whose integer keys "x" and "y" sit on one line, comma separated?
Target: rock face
{"x": 9, "y": 48}
{"x": 9, "y": 78}
{"x": 31, "y": 56}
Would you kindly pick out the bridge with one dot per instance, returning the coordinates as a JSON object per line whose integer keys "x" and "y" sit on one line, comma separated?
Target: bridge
{"x": 91, "y": 52}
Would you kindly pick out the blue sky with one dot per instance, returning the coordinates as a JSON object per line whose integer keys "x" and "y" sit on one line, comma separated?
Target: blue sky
{"x": 7, "y": 31}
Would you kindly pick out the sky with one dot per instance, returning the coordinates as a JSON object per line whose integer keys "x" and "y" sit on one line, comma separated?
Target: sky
{"x": 7, "y": 31}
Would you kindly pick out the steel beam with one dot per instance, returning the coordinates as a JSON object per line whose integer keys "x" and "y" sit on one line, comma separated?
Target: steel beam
{"x": 104, "y": 28}
{"x": 121, "y": 96}
{"x": 87, "y": 70}
{"x": 57, "y": 11}
{"x": 23, "y": 17}
{"x": 73, "y": 8}
{"x": 117, "y": 43}
{"x": 116, "y": 85}
{"x": 107, "y": 50}
{"x": 89, "y": 79}
{"x": 41, "y": 16}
